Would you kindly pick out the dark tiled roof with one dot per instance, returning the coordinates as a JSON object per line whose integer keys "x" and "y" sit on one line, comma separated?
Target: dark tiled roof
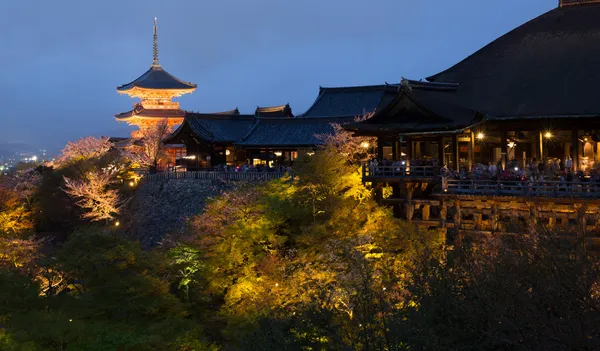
{"x": 288, "y": 132}
{"x": 217, "y": 128}
{"x": 420, "y": 107}
{"x": 157, "y": 78}
{"x": 274, "y": 111}
{"x": 140, "y": 111}
{"x": 350, "y": 101}
{"x": 550, "y": 66}
{"x": 229, "y": 113}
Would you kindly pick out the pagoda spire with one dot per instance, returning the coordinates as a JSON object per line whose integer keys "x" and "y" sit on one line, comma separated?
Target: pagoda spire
{"x": 155, "y": 50}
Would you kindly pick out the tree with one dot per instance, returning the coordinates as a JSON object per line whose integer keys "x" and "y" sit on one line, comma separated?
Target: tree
{"x": 354, "y": 149}
{"x": 149, "y": 148}
{"x": 93, "y": 193}
{"x": 84, "y": 149}
{"x": 15, "y": 216}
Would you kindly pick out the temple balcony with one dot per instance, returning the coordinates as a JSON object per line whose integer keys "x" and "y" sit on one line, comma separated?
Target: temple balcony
{"x": 549, "y": 189}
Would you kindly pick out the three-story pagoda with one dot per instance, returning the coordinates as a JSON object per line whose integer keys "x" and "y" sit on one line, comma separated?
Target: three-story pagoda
{"x": 156, "y": 89}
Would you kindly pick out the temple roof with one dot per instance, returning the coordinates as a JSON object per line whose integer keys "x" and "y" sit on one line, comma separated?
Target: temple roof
{"x": 419, "y": 106}
{"x": 140, "y": 111}
{"x": 157, "y": 78}
{"x": 547, "y": 67}
{"x": 350, "y": 101}
{"x": 216, "y": 127}
{"x": 288, "y": 132}
{"x": 274, "y": 111}
{"x": 228, "y": 113}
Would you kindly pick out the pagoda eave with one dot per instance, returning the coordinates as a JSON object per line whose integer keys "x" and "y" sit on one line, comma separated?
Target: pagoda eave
{"x": 137, "y": 92}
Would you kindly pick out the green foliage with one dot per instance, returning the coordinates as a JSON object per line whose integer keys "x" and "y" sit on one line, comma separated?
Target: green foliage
{"x": 114, "y": 296}
{"x": 312, "y": 263}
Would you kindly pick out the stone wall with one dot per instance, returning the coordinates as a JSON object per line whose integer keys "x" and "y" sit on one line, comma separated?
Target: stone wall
{"x": 163, "y": 207}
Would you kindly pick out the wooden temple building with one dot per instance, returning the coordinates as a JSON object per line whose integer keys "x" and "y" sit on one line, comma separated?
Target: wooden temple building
{"x": 528, "y": 104}
{"x": 271, "y": 136}
{"x": 155, "y": 89}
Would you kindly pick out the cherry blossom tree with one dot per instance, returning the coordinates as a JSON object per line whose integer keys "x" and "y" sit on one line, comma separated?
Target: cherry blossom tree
{"x": 355, "y": 149}
{"x": 84, "y": 149}
{"x": 93, "y": 193}
{"x": 149, "y": 149}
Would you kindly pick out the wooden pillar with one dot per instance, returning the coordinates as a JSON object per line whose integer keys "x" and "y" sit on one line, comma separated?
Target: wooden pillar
{"x": 426, "y": 211}
{"x": 417, "y": 151}
{"x": 395, "y": 151}
{"x": 380, "y": 142}
{"x": 540, "y": 146}
{"x": 455, "y": 152}
{"x": 457, "y": 216}
{"x": 409, "y": 151}
{"x": 410, "y": 209}
{"x": 575, "y": 149}
{"x": 443, "y": 213}
{"x": 494, "y": 217}
{"x": 504, "y": 149}
{"x": 379, "y": 193}
{"x": 471, "y": 150}
{"x": 441, "y": 151}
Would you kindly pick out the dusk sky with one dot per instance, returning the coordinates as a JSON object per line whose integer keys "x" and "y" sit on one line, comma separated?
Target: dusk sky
{"x": 60, "y": 61}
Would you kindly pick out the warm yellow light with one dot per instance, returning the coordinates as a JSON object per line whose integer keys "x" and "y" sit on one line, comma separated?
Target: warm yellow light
{"x": 131, "y": 184}
{"x": 227, "y": 152}
{"x": 117, "y": 223}
{"x": 512, "y": 144}
{"x": 310, "y": 153}
{"x": 548, "y": 135}
{"x": 278, "y": 153}
{"x": 480, "y": 136}
{"x": 365, "y": 145}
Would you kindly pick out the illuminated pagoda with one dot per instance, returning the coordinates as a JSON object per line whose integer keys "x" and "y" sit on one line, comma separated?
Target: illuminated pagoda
{"x": 156, "y": 89}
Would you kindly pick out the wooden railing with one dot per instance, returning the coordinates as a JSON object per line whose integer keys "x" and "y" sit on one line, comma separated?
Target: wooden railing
{"x": 521, "y": 188}
{"x": 399, "y": 171}
{"x": 228, "y": 176}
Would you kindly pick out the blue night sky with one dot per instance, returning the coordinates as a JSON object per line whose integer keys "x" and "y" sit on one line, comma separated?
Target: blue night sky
{"x": 62, "y": 60}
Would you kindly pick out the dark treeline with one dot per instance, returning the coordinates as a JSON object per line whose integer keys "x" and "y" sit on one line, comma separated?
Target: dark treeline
{"x": 310, "y": 263}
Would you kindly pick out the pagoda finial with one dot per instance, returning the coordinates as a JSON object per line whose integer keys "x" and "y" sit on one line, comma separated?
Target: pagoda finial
{"x": 155, "y": 51}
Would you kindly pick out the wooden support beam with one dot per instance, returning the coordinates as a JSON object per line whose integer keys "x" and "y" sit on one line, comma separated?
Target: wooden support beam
{"x": 540, "y": 145}
{"x": 409, "y": 148}
{"x": 455, "y": 152}
{"x": 504, "y": 149}
{"x": 575, "y": 149}
{"x": 471, "y": 151}
{"x": 380, "y": 142}
{"x": 441, "y": 151}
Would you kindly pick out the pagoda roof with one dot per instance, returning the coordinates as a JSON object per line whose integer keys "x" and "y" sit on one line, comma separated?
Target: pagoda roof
{"x": 350, "y": 101}
{"x": 219, "y": 128}
{"x": 418, "y": 107}
{"x": 140, "y": 111}
{"x": 157, "y": 78}
{"x": 547, "y": 67}
{"x": 274, "y": 111}
{"x": 290, "y": 132}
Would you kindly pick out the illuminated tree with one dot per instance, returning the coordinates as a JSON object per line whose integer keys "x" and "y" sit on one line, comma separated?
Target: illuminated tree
{"x": 93, "y": 193}
{"x": 84, "y": 149}
{"x": 15, "y": 216}
{"x": 354, "y": 149}
{"x": 147, "y": 151}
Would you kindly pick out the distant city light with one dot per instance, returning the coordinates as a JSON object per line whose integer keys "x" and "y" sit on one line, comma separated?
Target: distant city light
{"x": 34, "y": 158}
